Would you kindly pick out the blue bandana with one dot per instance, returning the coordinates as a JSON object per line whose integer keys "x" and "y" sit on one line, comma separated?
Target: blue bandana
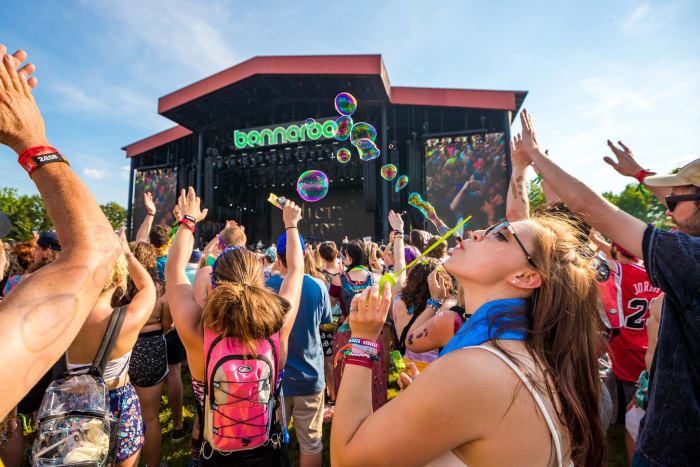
{"x": 485, "y": 324}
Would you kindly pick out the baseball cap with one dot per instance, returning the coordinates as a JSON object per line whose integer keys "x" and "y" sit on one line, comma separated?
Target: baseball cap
{"x": 49, "y": 240}
{"x": 282, "y": 244}
{"x": 688, "y": 175}
{"x": 195, "y": 256}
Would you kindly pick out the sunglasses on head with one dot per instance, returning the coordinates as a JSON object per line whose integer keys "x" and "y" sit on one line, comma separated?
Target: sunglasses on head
{"x": 673, "y": 200}
{"x": 499, "y": 231}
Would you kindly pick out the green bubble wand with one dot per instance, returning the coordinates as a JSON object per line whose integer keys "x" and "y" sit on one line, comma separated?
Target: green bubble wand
{"x": 392, "y": 277}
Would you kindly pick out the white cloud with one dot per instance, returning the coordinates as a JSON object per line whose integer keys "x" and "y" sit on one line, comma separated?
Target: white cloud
{"x": 94, "y": 173}
{"x": 124, "y": 173}
{"x": 637, "y": 20}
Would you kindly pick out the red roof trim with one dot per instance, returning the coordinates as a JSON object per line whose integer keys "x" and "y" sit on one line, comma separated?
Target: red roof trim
{"x": 156, "y": 140}
{"x": 285, "y": 65}
{"x": 471, "y": 98}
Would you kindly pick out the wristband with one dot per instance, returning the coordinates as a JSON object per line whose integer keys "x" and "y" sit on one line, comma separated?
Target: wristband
{"x": 37, "y": 156}
{"x": 188, "y": 223}
{"x": 292, "y": 227}
{"x": 642, "y": 174}
{"x": 434, "y": 302}
{"x": 129, "y": 254}
{"x": 360, "y": 361}
{"x": 188, "y": 218}
{"x": 149, "y": 214}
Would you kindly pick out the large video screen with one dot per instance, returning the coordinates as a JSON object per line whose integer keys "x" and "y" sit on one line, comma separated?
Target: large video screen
{"x": 162, "y": 184}
{"x": 466, "y": 175}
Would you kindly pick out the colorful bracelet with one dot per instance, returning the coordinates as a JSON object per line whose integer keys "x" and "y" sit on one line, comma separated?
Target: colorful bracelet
{"x": 360, "y": 361}
{"x": 434, "y": 302}
{"x": 642, "y": 174}
{"x": 32, "y": 158}
{"x": 188, "y": 223}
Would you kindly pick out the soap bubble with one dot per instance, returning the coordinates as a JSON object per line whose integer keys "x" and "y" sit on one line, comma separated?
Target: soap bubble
{"x": 310, "y": 122}
{"x": 343, "y": 155}
{"x": 401, "y": 183}
{"x": 345, "y": 103}
{"x": 388, "y": 172}
{"x": 362, "y": 130}
{"x": 450, "y": 161}
{"x": 368, "y": 150}
{"x": 391, "y": 146}
{"x": 342, "y": 128}
{"x": 312, "y": 185}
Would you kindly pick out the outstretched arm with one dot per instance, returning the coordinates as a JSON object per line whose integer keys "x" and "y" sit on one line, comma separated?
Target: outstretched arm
{"x": 145, "y": 229}
{"x": 291, "y": 285}
{"x": 613, "y": 222}
{"x": 626, "y": 165}
{"x": 43, "y": 314}
{"x": 396, "y": 223}
{"x": 517, "y": 202}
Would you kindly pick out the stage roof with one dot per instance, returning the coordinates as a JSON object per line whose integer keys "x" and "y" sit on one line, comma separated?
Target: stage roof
{"x": 273, "y": 80}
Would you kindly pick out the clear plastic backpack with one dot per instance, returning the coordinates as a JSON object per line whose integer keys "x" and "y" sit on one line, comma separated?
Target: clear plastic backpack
{"x": 75, "y": 423}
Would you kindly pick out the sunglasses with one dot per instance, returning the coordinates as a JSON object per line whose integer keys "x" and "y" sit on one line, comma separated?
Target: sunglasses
{"x": 499, "y": 231}
{"x": 673, "y": 200}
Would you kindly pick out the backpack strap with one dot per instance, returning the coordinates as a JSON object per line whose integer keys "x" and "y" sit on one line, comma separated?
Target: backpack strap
{"x": 108, "y": 341}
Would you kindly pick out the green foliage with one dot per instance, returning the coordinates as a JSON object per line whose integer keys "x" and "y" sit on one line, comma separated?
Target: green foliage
{"x": 27, "y": 213}
{"x": 640, "y": 203}
{"x": 535, "y": 194}
{"x": 116, "y": 214}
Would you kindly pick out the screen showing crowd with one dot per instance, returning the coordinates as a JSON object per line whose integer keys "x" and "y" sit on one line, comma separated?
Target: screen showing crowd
{"x": 162, "y": 184}
{"x": 467, "y": 175}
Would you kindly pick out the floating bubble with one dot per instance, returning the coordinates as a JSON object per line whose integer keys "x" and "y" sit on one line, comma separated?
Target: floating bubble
{"x": 368, "y": 150}
{"x": 345, "y": 103}
{"x": 312, "y": 185}
{"x": 310, "y": 122}
{"x": 391, "y": 146}
{"x": 343, "y": 155}
{"x": 401, "y": 183}
{"x": 362, "y": 130}
{"x": 147, "y": 187}
{"x": 388, "y": 172}
{"x": 415, "y": 200}
{"x": 342, "y": 128}
{"x": 450, "y": 161}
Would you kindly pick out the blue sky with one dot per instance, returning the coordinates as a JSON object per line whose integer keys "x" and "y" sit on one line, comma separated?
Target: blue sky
{"x": 622, "y": 70}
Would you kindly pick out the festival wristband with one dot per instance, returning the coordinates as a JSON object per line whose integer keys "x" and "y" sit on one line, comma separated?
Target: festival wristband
{"x": 188, "y": 218}
{"x": 643, "y": 174}
{"x": 188, "y": 223}
{"x": 435, "y": 303}
{"x": 365, "y": 342}
{"x": 37, "y": 156}
{"x": 151, "y": 214}
{"x": 359, "y": 361}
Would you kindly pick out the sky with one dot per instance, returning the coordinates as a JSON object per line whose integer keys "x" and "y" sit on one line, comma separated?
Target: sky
{"x": 620, "y": 70}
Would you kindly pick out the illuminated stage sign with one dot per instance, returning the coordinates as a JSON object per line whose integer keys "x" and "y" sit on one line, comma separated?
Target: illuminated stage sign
{"x": 295, "y": 132}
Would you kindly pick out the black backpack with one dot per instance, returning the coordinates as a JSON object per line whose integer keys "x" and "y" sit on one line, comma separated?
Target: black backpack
{"x": 75, "y": 422}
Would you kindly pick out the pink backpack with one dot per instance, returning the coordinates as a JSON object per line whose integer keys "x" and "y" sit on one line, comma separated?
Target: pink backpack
{"x": 240, "y": 391}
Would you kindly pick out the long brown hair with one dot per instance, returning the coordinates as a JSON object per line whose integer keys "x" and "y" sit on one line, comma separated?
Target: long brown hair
{"x": 146, "y": 255}
{"x": 311, "y": 266}
{"x": 240, "y": 306}
{"x": 564, "y": 334}
{"x": 416, "y": 292}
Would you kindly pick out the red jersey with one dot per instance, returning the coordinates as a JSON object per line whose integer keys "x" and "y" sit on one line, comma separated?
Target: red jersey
{"x": 626, "y": 296}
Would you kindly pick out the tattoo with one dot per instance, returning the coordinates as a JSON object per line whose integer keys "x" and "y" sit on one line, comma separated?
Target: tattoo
{"x": 520, "y": 185}
{"x": 513, "y": 189}
{"x": 410, "y": 339}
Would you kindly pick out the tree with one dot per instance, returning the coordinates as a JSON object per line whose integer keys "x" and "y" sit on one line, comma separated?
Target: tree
{"x": 27, "y": 214}
{"x": 116, "y": 214}
{"x": 642, "y": 204}
{"x": 535, "y": 194}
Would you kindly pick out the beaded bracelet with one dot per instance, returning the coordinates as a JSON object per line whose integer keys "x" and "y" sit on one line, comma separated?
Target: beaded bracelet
{"x": 435, "y": 303}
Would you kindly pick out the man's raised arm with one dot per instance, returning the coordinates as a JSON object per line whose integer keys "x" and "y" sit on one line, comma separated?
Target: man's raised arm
{"x": 627, "y": 230}
{"x": 41, "y": 316}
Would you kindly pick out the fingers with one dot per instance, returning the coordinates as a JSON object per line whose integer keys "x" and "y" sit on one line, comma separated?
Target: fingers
{"x": 11, "y": 68}
{"x": 204, "y": 214}
{"x": 624, "y": 147}
{"x": 615, "y": 150}
{"x": 610, "y": 161}
{"x": 4, "y": 75}
{"x": 404, "y": 380}
{"x": 412, "y": 370}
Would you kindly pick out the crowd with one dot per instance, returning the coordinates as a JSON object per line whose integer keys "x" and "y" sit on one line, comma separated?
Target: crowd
{"x": 519, "y": 346}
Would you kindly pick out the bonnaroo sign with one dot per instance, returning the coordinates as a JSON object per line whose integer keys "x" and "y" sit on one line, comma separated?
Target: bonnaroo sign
{"x": 286, "y": 133}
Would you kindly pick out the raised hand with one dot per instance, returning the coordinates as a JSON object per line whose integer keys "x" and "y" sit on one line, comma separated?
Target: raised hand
{"x": 626, "y": 164}
{"x": 149, "y": 204}
{"x": 291, "y": 214}
{"x": 176, "y": 212}
{"x": 529, "y": 137}
{"x": 436, "y": 285}
{"x": 368, "y": 312}
{"x": 517, "y": 153}
{"x": 21, "y": 123}
{"x": 395, "y": 221}
{"x": 28, "y": 68}
{"x": 189, "y": 205}
{"x": 123, "y": 240}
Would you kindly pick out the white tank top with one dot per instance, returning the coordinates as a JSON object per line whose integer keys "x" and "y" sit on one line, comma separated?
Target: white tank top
{"x": 450, "y": 459}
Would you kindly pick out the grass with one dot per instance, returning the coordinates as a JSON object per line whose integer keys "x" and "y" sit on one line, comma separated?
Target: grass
{"x": 179, "y": 454}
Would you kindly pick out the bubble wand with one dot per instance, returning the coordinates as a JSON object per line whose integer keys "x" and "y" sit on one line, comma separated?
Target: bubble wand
{"x": 391, "y": 277}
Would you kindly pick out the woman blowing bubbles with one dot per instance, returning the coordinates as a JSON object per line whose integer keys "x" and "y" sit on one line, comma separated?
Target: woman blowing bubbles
{"x": 517, "y": 385}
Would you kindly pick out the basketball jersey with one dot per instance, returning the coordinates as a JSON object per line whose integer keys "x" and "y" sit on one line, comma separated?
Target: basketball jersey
{"x": 626, "y": 296}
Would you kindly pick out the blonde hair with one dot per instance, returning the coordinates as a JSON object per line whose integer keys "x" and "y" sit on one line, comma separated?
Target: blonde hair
{"x": 240, "y": 306}
{"x": 119, "y": 272}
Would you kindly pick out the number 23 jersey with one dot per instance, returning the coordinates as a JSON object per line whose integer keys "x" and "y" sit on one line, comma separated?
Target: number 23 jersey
{"x": 626, "y": 296}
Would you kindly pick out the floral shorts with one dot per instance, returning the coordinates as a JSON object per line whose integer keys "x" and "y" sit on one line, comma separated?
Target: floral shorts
{"x": 124, "y": 404}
